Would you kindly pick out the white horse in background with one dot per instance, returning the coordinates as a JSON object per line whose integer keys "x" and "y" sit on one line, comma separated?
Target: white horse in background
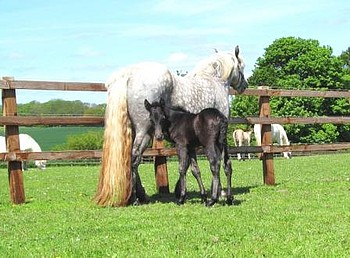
{"x": 241, "y": 138}
{"x": 279, "y": 135}
{"x": 27, "y": 143}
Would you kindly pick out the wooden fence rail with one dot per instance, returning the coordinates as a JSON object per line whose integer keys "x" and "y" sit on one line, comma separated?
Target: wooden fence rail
{"x": 12, "y": 121}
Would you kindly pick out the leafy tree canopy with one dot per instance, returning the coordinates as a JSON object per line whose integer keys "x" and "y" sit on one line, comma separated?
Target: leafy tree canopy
{"x": 61, "y": 107}
{"x": 296, "y": 63}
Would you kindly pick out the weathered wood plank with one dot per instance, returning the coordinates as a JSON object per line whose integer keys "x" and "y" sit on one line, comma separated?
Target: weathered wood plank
{"x": 54, "y": 120}
{"x": 293, "y": 93}
{"x": 161, "y": 169}
{"x": 15, "y": 174}
{"x": 167, "y": 152}
{"x": 290, "y": 120}
{"x": 99, "y": 121}
{"x": 266, "y": 139}
{"x": 97, "y": 86}
{"x": 51, "y": 85}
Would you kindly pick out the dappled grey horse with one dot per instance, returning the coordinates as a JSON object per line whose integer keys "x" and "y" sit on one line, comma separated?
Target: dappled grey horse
{"x": 128, "y": 129}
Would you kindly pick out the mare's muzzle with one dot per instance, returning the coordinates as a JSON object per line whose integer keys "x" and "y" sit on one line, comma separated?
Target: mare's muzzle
{"x": 242, "y": 83}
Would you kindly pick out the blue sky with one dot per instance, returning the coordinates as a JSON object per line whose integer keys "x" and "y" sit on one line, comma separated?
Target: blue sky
{"x": 86, "y": 41}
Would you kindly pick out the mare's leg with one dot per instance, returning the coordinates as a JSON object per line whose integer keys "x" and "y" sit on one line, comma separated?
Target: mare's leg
{"x": 197, "y": 174}
{"x": 213, "y": 155}
{"x": 184, "y": 163}
{"x": 228, "y": 172}
{"x": 138, "y": 194}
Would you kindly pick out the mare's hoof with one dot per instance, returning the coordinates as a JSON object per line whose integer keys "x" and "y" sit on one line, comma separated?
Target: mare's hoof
{"x": 143, "y": 199}
{"x": 136, "y": 202}
{"x": 139, "y": 200}
{"x": 229, "y": 201}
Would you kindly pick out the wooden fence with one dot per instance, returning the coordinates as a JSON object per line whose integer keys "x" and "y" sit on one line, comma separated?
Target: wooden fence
{"x": 12, "y": 121}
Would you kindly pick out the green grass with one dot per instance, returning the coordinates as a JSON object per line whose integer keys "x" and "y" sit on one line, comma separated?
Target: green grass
{"x": 49, "y": 137}
{"x": 307, "y": 214}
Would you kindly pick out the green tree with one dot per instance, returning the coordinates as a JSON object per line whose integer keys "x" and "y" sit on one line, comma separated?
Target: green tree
{"x": 88, "y": 141}
{"x": 61, "y": 107}
{"x": 345, "y": 57}
{"x": 295, "y": 63}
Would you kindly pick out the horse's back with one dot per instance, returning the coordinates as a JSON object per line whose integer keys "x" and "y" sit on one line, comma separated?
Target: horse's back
{"x": 182, "y": 130}
{"x": 27, "y": 142}
{"x": 210, "y": 125}
{"x": 146, "y": 80}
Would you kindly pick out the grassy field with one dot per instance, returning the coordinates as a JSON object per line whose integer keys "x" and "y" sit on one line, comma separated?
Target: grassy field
{"x": 307, "y": 214}
{"x": 48, "y": 137}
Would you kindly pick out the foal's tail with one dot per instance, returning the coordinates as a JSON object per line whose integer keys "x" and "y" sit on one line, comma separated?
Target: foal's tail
{"x": 114, "y": 186}
{"x": 223, "y": 131}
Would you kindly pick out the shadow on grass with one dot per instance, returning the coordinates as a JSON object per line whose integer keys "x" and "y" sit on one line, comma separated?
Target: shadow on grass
{"x": 193, "y": 197}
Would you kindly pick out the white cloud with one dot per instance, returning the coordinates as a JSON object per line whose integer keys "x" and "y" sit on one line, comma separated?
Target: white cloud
{"x": 15, "y": 56}
{"x": 88, "y": 52}
{"x": 187, "y": 8}
{"x": 177, "y": 57}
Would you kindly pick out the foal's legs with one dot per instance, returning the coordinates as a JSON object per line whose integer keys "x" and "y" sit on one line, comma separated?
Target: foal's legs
{"x": 228, "y": 172}
{"x": 184, "y": 163}
{"x": 213, "y": 155}
{"x": 197, "y": 174}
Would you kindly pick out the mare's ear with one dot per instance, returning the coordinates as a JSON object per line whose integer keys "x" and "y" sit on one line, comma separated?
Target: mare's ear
{"x": 237, "y": 51}
{"x": 147, "y": 105}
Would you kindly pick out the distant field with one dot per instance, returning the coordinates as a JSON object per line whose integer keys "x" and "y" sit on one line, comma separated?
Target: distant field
{"x": 48, "y": 137}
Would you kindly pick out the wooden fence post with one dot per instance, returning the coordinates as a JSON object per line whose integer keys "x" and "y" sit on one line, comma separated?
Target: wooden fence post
{"x": 161, "y": 169}
{"x": 15, "y": 173}
{"x": 266, "y": 139}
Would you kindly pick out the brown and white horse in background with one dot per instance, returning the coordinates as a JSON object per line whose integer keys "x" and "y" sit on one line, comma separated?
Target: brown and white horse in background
{"x": 241, "y": 138}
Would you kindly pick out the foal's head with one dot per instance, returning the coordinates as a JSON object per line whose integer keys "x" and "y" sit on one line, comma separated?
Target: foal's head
{"x": 157, "y": 117}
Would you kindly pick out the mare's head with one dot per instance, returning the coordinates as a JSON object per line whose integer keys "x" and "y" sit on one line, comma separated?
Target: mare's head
{"x": 227, "y": 66}
{"x": 157, "y": 117}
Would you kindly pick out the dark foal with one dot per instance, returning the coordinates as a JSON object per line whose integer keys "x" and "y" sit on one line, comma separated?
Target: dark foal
{"x": 188, "y": 131}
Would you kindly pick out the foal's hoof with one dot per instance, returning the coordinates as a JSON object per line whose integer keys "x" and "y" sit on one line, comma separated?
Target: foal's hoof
{"x": 210, "y": 203}
{"x": 229, "y": 201}
{"x": 204, "y": 200}
{"x": 181, "y": 201}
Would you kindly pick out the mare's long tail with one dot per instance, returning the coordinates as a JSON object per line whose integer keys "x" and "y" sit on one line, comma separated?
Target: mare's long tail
{"x": 114, "y": 186}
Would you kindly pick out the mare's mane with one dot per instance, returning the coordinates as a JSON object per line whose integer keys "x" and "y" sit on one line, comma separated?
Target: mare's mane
{"x": 218, "y": 65}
